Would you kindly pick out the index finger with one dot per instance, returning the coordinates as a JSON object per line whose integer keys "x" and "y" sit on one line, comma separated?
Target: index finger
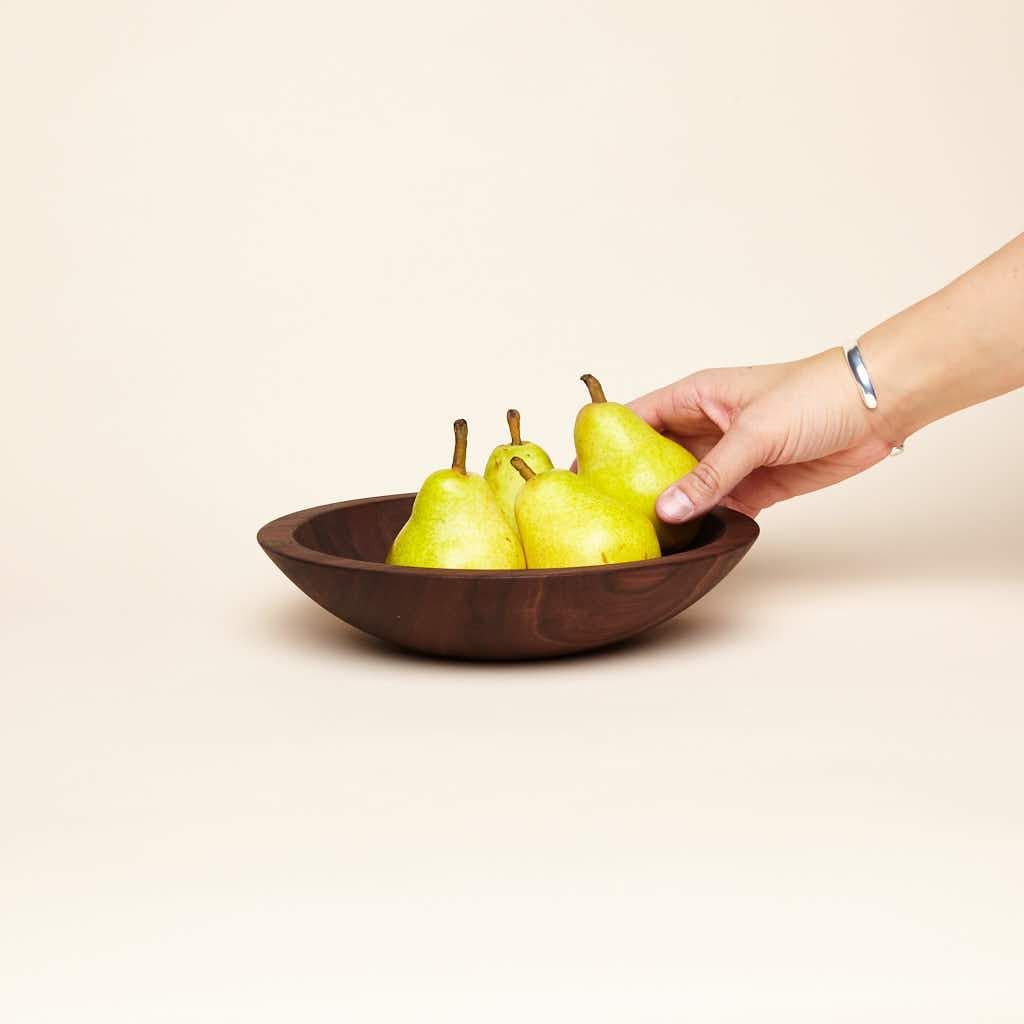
{"x": 671, "y": 409}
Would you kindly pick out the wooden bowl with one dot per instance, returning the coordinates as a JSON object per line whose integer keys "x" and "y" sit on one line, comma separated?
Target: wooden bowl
{"x": 335, "y": 555}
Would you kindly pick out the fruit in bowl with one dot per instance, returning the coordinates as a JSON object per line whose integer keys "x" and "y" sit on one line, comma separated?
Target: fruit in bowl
{"x": 446, "y": 572}
{"x": 563, "y": 521}
{"x": 621, "y": 454}
{"x": 504, "y": 479}
{"x": 456, "y": 522}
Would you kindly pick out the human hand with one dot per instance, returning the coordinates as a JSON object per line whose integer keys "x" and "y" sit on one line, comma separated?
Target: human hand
{"x": 764, "y": 433}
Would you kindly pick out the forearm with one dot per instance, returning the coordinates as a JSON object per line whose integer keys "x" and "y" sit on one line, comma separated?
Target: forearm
{"x": 958, "y": 347}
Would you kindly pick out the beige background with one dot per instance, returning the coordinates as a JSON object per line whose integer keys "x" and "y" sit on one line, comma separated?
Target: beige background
{"x": 257, "y": 257}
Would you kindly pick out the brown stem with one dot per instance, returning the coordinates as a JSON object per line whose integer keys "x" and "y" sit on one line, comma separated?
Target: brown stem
{"x": 524, "y": 470}
{"x": 461, "y": 437}
{"x": 594, "y": 387}
{"x": 513, "y": 425}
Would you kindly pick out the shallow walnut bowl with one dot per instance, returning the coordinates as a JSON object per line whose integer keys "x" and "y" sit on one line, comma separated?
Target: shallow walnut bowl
{"x": 335, "y": 555}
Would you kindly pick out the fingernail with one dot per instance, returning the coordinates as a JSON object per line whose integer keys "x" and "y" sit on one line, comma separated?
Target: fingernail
{"x": 674, "y": 506}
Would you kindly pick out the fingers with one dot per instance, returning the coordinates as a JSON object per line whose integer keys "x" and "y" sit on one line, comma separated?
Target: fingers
{"x": 651, "y": 408}
{"x": 672, "y": 409}
{"x": 694, "y": 411}
{"x": 764, "y": 487}
{"x": 735, "y": 456}
{"x": 691, "y": 404}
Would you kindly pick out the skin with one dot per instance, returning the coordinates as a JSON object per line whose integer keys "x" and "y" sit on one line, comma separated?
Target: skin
{"x": 565, "y": 522}
{"x": 767, "y": 433}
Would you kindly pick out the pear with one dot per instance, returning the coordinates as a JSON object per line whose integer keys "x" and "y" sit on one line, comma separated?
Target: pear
{"x": 564, "y": 521}
{"x": 499, "y": 473}
{"x": 456, "y": 522}
{"x": 621, "y": 454}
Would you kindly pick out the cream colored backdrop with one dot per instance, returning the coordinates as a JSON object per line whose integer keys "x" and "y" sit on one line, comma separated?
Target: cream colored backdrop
{"x": 258, "y": 256}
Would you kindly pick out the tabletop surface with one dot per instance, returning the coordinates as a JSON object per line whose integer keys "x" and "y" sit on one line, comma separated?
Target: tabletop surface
{"x": 813, "y": 773}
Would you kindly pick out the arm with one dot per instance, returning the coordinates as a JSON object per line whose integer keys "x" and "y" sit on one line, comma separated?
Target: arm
{"x": 767, "y": 433}
{"x": 958, "y": 347}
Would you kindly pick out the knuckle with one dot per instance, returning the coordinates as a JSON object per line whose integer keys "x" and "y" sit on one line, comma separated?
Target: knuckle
{"x": 704, "y": 480}
{"x": 681, "y": 399}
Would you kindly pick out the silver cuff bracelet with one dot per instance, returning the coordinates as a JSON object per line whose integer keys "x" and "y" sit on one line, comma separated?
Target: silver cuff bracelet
{"x": 860, "y": 373}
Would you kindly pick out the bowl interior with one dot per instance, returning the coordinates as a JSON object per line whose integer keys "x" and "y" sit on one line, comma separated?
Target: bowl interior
{"x": 364, "y": 530}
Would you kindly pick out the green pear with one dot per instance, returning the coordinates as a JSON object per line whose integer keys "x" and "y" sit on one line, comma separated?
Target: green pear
{"x": 564, "y": 521}
{"x": 621, "y": 454}
{"x": 456, "y": 522}
{"x": 500, "y": 474}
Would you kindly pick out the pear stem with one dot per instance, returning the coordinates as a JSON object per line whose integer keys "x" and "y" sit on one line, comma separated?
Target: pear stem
{"x": 524, "y": 470}
{"x": 461, "y": 438}
{"x": 513, "y": 425}
{"x": 594, "y": 387}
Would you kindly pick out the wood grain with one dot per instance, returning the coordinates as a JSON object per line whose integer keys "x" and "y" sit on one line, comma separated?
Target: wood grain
{"x": 335, "y": 555}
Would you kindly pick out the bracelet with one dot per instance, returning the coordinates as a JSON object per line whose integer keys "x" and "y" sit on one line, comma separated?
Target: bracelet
{"x": 860, "y": 374}
{"x": 859, "y": 369}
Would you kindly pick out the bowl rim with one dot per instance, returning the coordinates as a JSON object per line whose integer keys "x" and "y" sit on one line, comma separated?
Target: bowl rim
{"x": 278, "y": 537}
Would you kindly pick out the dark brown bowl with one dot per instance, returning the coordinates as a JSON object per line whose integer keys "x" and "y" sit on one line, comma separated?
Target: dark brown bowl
{"x": 335, "y": 555}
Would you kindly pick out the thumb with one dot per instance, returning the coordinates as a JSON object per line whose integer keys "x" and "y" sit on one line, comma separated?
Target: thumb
{"x": 734, "y": 457}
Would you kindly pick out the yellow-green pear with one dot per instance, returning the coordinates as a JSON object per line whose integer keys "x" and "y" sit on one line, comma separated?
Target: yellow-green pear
{"x": 456, "y": 522}
{"x": 500, "y": 474}
{"x": 564, "y": 521}
{"x": 621, "y": 454}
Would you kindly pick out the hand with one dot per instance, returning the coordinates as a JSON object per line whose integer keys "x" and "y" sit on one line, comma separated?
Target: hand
{"x": 765, "y": 433}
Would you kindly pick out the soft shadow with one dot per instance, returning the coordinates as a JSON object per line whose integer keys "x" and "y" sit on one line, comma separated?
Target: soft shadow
{"x": 867, "y": 563}
{"x": 302, "y": 624}
{"x": 972, "y": 544}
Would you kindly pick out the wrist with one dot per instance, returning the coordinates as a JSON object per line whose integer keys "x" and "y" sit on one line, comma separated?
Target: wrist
{"x": 904, "y": 378}
{"x": 962, "y": 345}
{"x": 862, "y": 423}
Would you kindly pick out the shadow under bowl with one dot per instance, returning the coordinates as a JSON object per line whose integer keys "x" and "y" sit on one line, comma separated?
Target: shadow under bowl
{"x": 335, "y": 555}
